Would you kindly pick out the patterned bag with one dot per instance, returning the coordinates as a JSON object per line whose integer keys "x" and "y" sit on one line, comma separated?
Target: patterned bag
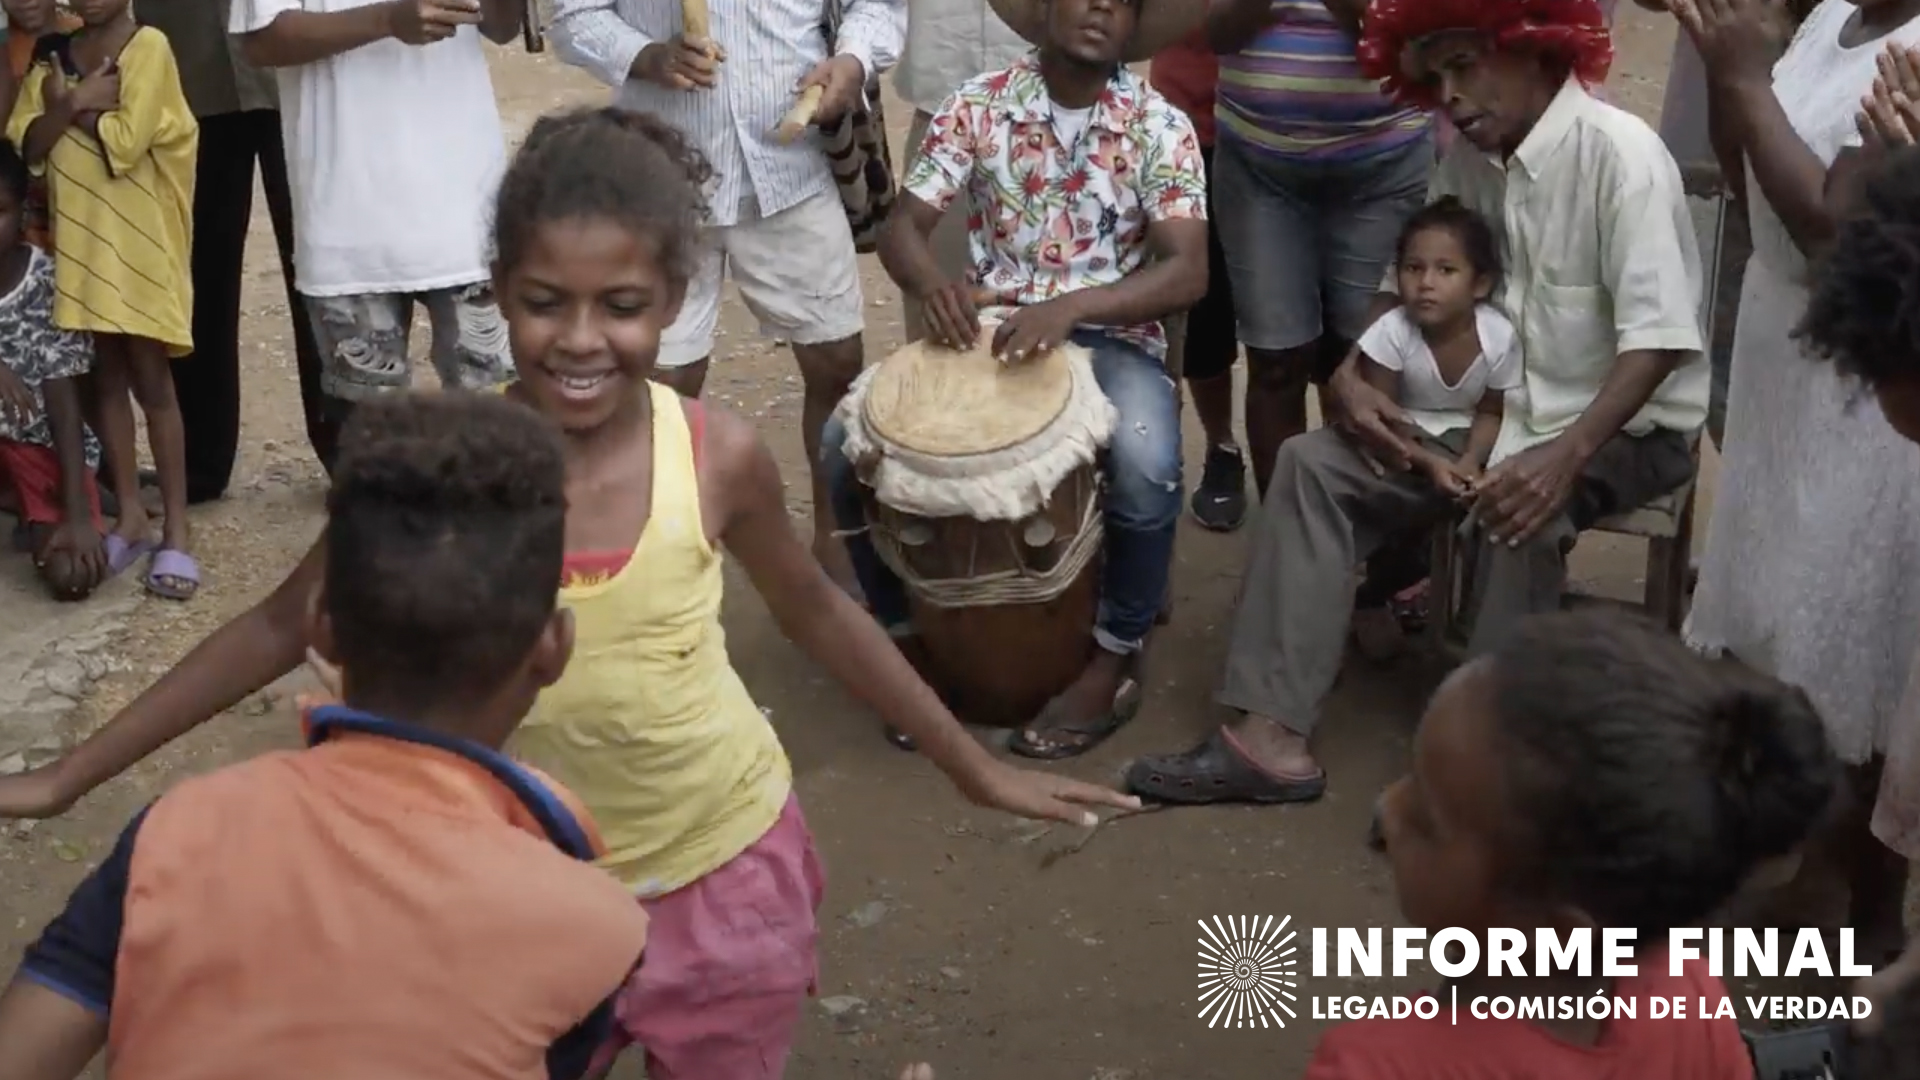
{"x": 856, "y": 148}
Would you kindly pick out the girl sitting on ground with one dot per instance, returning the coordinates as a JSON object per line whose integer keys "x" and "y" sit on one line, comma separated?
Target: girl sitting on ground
{"x": 597, "y": 229}
{"x": 47, "y": 455}
{"x": 1593, "y": 773}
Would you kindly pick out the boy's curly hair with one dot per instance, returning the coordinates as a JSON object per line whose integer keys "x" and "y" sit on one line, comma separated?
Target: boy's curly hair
{"x": 1864, "y": 310}
{"x": 630, "y": 167}
{"x": 446, "y": 527}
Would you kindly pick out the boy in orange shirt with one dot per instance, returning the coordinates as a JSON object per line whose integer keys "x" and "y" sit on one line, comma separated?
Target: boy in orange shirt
{"x": 400, "y": 899}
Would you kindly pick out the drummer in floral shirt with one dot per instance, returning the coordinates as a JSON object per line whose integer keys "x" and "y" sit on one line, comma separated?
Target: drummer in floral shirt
{"x": 1085, "y": 196}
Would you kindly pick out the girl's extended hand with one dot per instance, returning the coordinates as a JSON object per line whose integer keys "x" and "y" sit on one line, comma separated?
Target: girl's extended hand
{"x": 1739, "y": 39}
{"x": 1043, "y": 796}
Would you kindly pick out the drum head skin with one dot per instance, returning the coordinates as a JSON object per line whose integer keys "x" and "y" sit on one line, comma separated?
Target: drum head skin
{"x": 935, "y": 400}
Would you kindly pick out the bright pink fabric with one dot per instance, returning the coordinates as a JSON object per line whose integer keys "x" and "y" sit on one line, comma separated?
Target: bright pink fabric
{"x": 730, "y": 962}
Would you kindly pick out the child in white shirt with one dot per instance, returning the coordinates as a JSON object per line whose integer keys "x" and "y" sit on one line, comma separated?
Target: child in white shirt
{"x": 1446, "y": 354}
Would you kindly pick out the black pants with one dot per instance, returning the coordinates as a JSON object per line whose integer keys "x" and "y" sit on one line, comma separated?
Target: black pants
{"x": 208, "y": 382}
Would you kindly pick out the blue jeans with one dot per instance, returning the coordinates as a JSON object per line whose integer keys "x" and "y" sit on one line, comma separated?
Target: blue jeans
{"x": 1143, "y": 500}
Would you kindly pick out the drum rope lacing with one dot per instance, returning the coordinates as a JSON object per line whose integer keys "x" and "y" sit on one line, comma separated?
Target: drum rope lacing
{"x": 1015, "y": 586}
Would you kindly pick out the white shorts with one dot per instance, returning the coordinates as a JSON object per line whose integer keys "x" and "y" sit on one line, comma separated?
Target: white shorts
{"x": 796, "y": 270}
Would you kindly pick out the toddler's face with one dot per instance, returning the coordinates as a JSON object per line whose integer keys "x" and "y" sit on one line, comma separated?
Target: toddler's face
{"x": 1437, "y": 281}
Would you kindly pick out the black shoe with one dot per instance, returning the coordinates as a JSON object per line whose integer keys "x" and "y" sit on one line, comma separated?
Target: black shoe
{"x": 1220, "y": 502}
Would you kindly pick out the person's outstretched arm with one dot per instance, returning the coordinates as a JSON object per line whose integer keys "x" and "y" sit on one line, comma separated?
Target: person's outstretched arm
{"x": 841, "y": 637}
{"x": 242, "y": 657}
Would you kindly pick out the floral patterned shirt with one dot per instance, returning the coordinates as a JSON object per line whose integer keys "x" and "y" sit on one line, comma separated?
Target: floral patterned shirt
{"x": 1045, "y": 219}
{"x": 38, "y": 352}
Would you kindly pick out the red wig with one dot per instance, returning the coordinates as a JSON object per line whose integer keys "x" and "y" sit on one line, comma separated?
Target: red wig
{"x": 1574, "y": 32}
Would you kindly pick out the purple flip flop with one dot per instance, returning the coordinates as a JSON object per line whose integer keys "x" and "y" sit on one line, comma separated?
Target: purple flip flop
{"x": 177, "y": 565}
{"x": 121, "y": 555}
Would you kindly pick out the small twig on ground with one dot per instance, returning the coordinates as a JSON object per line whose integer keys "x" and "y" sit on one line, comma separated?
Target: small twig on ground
{"x": 1054, "y": 856}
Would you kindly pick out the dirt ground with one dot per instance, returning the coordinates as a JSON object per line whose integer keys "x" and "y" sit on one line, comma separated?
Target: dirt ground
{"x": 945, "y": 938}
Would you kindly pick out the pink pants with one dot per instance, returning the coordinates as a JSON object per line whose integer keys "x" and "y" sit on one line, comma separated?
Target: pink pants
{"x": 729, "y": 963}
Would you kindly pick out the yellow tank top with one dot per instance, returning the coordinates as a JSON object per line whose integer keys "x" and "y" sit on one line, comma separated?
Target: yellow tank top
{"x": 650, "y": 726}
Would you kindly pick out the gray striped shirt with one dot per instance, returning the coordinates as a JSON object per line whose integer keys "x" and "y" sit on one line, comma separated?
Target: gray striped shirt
{"x": 770, "y": 46}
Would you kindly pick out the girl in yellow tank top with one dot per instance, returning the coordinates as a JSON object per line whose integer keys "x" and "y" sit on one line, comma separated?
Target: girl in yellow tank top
{"x": 597, "y": 229}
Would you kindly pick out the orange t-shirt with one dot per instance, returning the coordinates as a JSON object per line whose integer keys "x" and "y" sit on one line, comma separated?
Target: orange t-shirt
{"x": 1475, "y": 1049}
{"x": 390, "y": 902}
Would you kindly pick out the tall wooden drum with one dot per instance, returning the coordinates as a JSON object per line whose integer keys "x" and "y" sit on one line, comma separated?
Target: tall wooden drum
{"x": 982, "y": 485}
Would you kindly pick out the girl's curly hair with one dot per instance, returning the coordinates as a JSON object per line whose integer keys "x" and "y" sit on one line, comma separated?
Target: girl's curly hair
{"x": 631, "y": 167}
{"x": 1864, "y": 310}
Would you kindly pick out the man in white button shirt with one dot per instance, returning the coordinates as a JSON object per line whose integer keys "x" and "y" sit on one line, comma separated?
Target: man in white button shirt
{"x": 781, "y": 231}
{"x": 948, "y": 42}
{"x": 1603, "y": 284}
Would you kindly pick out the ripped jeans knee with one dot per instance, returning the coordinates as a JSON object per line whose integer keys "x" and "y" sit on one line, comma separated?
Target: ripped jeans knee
{"x": 1143, "y": 460}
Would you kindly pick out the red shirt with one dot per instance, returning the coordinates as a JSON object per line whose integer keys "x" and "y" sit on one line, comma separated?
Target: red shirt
{"x": 1185, "y": 75}
{"x": 1638, "y": 1049}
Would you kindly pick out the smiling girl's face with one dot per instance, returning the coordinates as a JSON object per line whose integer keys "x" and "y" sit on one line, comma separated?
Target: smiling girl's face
{"x": 585, "y": 307}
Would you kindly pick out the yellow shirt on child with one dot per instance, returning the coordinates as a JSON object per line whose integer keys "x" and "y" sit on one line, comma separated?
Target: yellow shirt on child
{"x": 650, "y": 726}
{"x": 122, "y": 204}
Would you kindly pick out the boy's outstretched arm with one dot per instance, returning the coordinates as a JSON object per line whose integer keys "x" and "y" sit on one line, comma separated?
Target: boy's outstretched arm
{"x": 45, "y": 1035}
{"x": 263, "y": 643}
{"x": 845, "y": 640}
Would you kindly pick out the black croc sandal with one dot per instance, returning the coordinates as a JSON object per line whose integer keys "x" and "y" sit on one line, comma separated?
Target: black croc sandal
{"x": 1062, "y": 742}
{"x": 1215, "y": 773}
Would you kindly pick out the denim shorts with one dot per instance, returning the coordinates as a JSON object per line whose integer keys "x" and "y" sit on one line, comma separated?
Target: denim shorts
{"x": 363, "y": 340}
{"x": 1308, "y": 242}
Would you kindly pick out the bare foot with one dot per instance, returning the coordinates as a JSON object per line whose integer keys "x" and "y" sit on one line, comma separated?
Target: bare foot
{"x": 1083, "y": 715}
{"x": 135, "y": 525}
{"x": 1274, "y": 748}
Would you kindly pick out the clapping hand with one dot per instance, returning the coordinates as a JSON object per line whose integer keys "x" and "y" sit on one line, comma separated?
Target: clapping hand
{"x": 1738, "y": 39}
{"x": 1890, "y": 115}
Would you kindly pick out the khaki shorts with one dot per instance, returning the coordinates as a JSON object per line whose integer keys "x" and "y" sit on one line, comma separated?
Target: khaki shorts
{"x": 796, "y": 270}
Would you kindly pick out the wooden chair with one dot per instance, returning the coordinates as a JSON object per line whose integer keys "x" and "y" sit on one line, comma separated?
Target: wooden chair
{"x": 1666, "y": 524}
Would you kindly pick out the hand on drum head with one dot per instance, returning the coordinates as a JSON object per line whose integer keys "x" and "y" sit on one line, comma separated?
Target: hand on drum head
{"x": 1042, "y": 796}
{"x": 953, "y": 319}
{"x": 1036, "y": 330}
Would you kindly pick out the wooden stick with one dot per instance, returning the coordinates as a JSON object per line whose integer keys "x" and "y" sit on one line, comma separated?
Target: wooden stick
{"x": 1051, "y": 857}
{"x": 694, "y": 23}
{"x": 798, "y": 118}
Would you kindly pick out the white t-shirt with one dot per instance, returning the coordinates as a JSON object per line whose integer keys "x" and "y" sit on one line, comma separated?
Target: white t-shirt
{"x": 1068, "y": 124}
{"x": 394, "y": 154}
{"x": 1395, "y": 343}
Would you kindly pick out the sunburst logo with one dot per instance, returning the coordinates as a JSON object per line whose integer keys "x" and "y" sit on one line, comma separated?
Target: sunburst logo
{"x": 1247, "y": 974}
